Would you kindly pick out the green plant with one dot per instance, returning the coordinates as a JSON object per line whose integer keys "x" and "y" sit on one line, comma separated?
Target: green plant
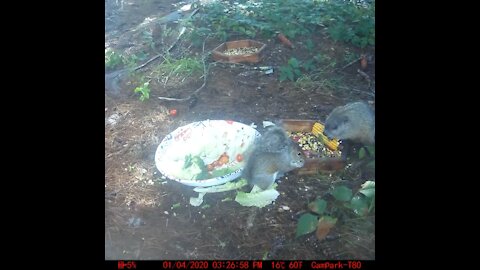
{"x": 305, "y": 82}
{"x": 291, "y": 71}
{"x": 133, "y": 60}
{"x": 350, "y": 56}
{"x": 323, "y": 216}
{"x": 112, "y": 59}
{"x": 225, "y": 20}
{"x": 309, "y": 45}
{"x": 294, "y": 67}
{"x": 131, "y": 168}
{"x": 115, "y": 60}
{"x": 367, "y": 153}
{"x": 198, "y": 35}
{"x": 350, "y": 22}
{"x": 345, "y": 21}
{"x": 147, "y": 37}
{"x": 144, "y": 91}
{"x": 182, "y": 67}
{"x": 325, "y": 60}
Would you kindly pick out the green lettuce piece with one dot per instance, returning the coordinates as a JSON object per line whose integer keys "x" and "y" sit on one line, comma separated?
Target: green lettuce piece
{"x": 194, "y": 168}
{"x": 223, "y": 171}
{"x": 232, "y": 185}
{"x": 197, "y": 201}
{"x": 259, "y": 199}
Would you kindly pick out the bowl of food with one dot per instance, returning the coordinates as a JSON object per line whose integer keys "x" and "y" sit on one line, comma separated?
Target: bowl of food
{"x": 247, "y": 50}
{"x": 322, "y": 154}
{"x": 205, "y": 153}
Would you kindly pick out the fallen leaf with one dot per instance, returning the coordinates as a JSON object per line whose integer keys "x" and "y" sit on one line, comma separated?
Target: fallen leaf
{"x": 325, "y": 223}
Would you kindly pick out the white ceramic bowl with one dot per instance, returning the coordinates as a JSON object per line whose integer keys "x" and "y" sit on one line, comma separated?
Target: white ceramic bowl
{"x": 207, "y": 139}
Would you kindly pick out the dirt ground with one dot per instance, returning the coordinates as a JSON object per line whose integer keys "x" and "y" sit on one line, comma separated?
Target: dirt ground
{"x": 148, "y": 217}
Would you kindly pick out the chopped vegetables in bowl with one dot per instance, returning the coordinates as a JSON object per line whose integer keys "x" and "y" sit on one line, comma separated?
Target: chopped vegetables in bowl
{"x": 205, "y": 153}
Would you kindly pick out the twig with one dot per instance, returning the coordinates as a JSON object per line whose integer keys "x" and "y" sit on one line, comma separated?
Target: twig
{"x": 205, "y": 75}
{"x": 119, "y": 152}
{"x": 349, "y": 64}
{"x": 166, "y": 80}
{"x": 365, "y": 76}
{"x": 357, "y": 90}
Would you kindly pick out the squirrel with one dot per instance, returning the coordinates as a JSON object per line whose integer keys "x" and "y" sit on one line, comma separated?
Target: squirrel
{"x": 353, "y": 123}
{"x": 272, "y": 155}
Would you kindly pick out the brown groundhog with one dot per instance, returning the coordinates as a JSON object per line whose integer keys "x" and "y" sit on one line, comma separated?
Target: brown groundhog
{"x": 353, "y": 123}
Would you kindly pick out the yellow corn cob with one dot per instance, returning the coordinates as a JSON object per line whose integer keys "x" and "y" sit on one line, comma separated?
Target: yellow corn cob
{"x": 317, "y": 130}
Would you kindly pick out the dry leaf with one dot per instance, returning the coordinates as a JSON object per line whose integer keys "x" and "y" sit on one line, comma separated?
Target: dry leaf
{"x": 325, "y": 223}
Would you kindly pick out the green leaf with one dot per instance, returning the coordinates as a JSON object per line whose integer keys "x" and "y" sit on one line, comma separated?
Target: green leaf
{"x": 306, "y": 224}
{"x": 368, "y": 189}
{"x": 222, "y": 172}
{"x": 371, "y": 164}
{"x": 359, "y": 204}
{"x": 297, "y": 72}
{"x": 342, "y": 193}
{"x": 318, "y": 206}
{"x": 290, "y": 74}
{"x": 293, "y": 62}
{"x": 371, "y": 150}
{"x": 361, "y": 153}
{"x": 372, "y": 205}
{"x": 309, "y": 44}
{"x": 368, "y": 184}
{"x": 308, "y": 65}
{"x": 188, "y": 159}
{"x": 285, "y": 73}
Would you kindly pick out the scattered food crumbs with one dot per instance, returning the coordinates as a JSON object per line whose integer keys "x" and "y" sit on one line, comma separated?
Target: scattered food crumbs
{"x": 312, "y": 146}
{"x": 241, "y": 51}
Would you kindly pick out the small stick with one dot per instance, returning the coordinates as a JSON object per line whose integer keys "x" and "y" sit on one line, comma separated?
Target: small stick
{"x": 351, "y": 63}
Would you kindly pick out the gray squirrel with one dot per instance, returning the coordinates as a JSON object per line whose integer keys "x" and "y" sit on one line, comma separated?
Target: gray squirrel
{"x": 272, "y": 155}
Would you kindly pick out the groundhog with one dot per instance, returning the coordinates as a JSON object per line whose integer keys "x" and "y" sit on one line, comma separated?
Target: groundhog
{"x": 354, "y": 121}
{"x": 353, "y": 124}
